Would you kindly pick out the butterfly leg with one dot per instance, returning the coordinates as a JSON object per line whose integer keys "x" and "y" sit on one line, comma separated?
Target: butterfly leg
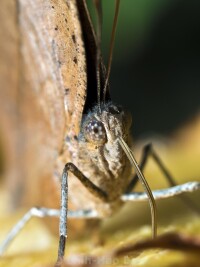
{"x": 62, "y": 213}
{"x": 70, "y": 167}
{"x": 33, "y": 212}
{"x": 162, "y": 193}
{"x": 41, "y": 212}
{"x": 148, "y": 151}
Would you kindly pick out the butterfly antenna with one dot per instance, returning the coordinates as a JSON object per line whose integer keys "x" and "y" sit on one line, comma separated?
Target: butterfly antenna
{"x": 98, "y": 7}
{"x": 112, "y": 41}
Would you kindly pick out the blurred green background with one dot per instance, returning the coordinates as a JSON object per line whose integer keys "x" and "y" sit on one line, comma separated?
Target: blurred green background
{"x": 156, "y": 63}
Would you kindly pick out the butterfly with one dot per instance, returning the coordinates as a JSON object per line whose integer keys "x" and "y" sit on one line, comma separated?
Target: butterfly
{"x": 62, "y": 61}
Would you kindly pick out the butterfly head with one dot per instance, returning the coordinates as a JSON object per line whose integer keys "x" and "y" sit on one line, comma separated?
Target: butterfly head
{"x": 100, "y": 128}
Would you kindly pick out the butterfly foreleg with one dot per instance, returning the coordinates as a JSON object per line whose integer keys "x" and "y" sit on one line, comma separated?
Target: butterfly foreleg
{"x": 95, "y": 190}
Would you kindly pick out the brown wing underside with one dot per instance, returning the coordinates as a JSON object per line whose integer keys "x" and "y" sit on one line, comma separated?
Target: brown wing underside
{"x": 45, "y": 96}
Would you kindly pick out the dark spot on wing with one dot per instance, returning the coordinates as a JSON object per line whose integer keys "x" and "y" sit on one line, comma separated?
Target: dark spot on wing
{"x": 66, "y": 91}
{"x": 74, "y": 38}
{"x": 75, "y": 60}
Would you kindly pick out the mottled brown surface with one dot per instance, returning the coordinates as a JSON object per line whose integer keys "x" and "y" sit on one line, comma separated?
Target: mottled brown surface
{"x": 43, "y": 67}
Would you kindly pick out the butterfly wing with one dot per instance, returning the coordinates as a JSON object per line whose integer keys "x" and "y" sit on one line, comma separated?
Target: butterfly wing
{"x": 50, "y": 91}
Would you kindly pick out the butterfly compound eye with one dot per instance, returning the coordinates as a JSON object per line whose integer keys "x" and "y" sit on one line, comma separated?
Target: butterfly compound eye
{"x": 95, "y": 132}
